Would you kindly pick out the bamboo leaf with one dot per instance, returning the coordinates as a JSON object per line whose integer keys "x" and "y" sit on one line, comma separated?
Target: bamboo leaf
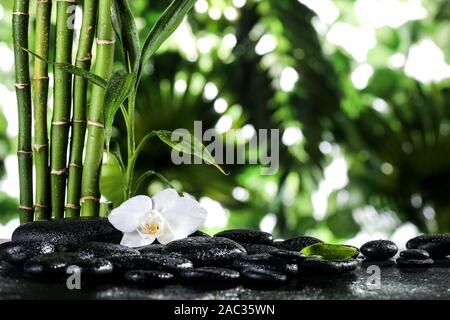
{"x": 164, "y": 27}
{"x": 183, "y": 141}
{"x": 115, "y": 152}
{"x": 125, "y": 27}
{"x": 330, "y": 251}
{"x": 147, "y": 175}
{"x": 95, "y": 79}
{"x": 117, "y": 91}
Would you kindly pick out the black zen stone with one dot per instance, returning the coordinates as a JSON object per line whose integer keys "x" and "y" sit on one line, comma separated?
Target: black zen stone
{"x": 379, "y": 249}
{"x": 288, "y": 255}
{"x": 253, "y": 248}
{"x": 437, "y": 245}
{"x": 151, "y": 248}
{"x": 415, "y": 254}
{"x": 246, "y": 236}
{"x": 68, "y": 233}
{"x": 19, "y": 252}
{"x": 204, "y": 251}
{"x": 403, "y": 262}
{"x": 266, "y": 262}
{"x": 150, "y": 261}
{"x": 149, "y": 277}
{"x": 199, "y": 233}
{"x": 104, "y": 249}
{"x": 263, "y": 276}
{"x": 298, "y": 243}
{"x": 57, "y": 264}
{"x": 210, "y": 274}
{"x": 321, "y": 266}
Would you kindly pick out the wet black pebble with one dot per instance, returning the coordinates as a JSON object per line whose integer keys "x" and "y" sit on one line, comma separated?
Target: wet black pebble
{"x": 20, "y": 251}
{"x": 263, "y": 276}
{"x": 104, "y": 249}
{"x": 203, "y": 251}
{"x": 288, "y": 255}
{"x": 415, "y": 254}
{"x": 210, "y": 274}
{"x": 246, "y": 236}
{"x": 321, "y": 266}
{"x": 437, "y": 245}
{"x": 266, "y": 262}
{"x": 68, "y": 233}
{"x": 379, "y": 249}
{"x": 151, "y": 248}
{"x": 150, "y": 261}
{"x": 252, "y": 248}
{"x": 57, "y": 264}
{"x": 298, "y": 243}
{"x": 199, "y": 233}
{"x": 149, "y": 277}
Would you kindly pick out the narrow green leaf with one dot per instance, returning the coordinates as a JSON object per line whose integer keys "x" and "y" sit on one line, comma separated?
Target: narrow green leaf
{"x": 147, "y": 175}
{"x": 126, "y": 31}
{"x": 330, "y": 251}
{"x": 117, "y": 91}
{"x": 95, "y": 79}
{"x": 115, "y": 152}
{"x": 185, "y": 142}
{"x": 164, "y": 27}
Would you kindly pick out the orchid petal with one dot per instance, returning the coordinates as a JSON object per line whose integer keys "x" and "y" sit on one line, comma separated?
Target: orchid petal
{"x": 184, "y": 217}
{"x": 166, "y": 236}
{"x": 164, "y": 198}
{"x": 126, "y": 217}
{"x": 134, "y": 239}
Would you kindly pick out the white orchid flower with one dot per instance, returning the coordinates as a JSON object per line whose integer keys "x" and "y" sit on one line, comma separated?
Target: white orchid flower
{"x": 166, "y": 216}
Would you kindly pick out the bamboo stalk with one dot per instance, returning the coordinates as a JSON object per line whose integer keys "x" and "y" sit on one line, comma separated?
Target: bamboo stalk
{"x": 90, "y": 193}
{"x": 40, "y": 85}
{"x": 23, "y": 92}
{"x": 61, "y": 108}
{"x": 83, "y": 61}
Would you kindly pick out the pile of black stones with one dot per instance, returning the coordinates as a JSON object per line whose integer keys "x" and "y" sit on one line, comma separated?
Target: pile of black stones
{"x": 48, "y": 249}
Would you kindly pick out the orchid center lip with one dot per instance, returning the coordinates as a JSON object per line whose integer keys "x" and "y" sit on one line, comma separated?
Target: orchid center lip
{"x": 151, "y": 224}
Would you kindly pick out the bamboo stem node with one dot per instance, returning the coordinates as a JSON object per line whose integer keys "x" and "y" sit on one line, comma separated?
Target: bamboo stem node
{"x": 75, "y": 165}
{"x": 21, "y": 85}
{"x": 82, "y": 121}
{"x": 19, "y": 13}
{"x": 72, "y": 206}
{"x": 58, "y": 172}
{"x": 26, "y": 152}
{"x": 85, "y": 58}
{"x": 60, "y": 123}
{"x": 38, "y": 147}
{"x": 105, "y": 41}
{"x": 95, "y": 124}
{"x": 92, "y": 198}
{"x": 26, "y": 208}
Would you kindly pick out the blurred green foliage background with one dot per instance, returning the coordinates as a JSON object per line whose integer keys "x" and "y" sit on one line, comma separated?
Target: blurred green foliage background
{"x": 360, "y": 90}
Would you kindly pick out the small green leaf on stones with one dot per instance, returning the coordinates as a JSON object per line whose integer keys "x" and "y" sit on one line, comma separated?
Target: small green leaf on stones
{"x": 330, "y": 251}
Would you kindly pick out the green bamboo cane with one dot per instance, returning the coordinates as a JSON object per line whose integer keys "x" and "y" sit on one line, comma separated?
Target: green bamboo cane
{"x": 23, "y": 92}
{"x": 90, "y": 193}
{"x": 83, "y": 61}
{"x": 61, "y": 108}
{"x": 40, "y": 85}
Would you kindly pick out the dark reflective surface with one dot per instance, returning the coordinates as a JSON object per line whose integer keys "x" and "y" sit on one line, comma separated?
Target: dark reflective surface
{"x": 429, "y": 283}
